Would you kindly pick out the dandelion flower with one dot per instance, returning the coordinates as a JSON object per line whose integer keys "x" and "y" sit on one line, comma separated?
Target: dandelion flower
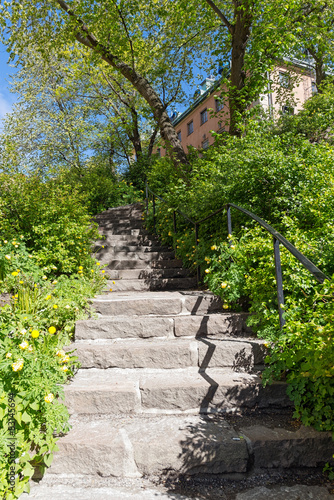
{"x": 21, "y": 282}
{"x": 55, "y": 306}
{"x": 18, "y": 365}
{"x": 113, "y": 282}
{"x": 49, "y": 398}
{"x": 15, "y": 273}
{"x": 48, "y": 297}
{"x": 35, "y": 334}
{"x": 110, "y": 289}
{"x": 213, "y": 247}
{"x": 80, "y": 268}
{"x": 23, "y": 345}
{"x": 98, "y": 264}
{"x": 52, "y": 329}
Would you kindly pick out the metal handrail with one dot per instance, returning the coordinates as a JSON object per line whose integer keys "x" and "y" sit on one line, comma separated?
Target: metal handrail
{"x": 277, "y": 239}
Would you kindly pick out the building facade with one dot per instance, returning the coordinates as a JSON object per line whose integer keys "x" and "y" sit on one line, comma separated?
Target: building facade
{"x": 290, "y": 86}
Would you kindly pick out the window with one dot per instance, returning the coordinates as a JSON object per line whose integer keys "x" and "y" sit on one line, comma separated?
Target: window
{"x": 190, "y": 127}
{"x": 159, "y": 152}
{"x": 204, "y": 116}
{"x": 221, "y": 128}
{"x": 287, "y": 110}
{"x": 219, "y": 104}
{"x": 205, "y": 144}
{"x": 314, "y": 88}
{"x": 179, "y": 135}
{"x": 284, "y": 80}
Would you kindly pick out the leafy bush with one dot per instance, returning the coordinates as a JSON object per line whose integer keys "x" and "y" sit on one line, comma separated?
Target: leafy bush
{"x": 288, "y": 181}
{"x": 53, "y": 219}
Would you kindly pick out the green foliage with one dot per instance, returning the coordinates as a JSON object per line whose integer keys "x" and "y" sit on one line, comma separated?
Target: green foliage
{"x": 52, "y": 217}
{"x": 287, "y": 181}
{"x": 35, "y": 328}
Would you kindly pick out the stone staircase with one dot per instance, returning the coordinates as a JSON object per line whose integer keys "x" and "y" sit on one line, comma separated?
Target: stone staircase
{"x": 166, "y": 377}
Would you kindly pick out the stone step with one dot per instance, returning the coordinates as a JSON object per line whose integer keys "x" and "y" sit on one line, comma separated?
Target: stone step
{"x": 143, "y": 264}
{"x": 188, "y": 445}
{"x": 107, "y": 254}
{"x": 214, "y": 326}
{"x": 240, "y": 355}
{"x": 157, "y": 303}
{"x": 141, "y": 285}
{"x": 128, "y": 239}
{"x": 132, "y": 274}
{"x": 142, "y": 249}
{"x": 114, "y": 390}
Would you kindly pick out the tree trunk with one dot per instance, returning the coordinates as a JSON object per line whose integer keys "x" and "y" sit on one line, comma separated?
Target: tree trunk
{"x": 240, "y": 34}
{"x": 141, "y": 84}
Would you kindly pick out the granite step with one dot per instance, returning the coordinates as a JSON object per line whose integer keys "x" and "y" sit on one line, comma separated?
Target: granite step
{"x": 132, "y": 274}
{"x": 107, "y": 254}
{"x": 190, "y": 445}
{"x": 157, "y": 303}
{"x": 212, "y": 326}
{"x": 143, "y": 264}
{"x": 238, "y": 354}
{"x": 141, "y": 285}
{"x": 159, "y": 391}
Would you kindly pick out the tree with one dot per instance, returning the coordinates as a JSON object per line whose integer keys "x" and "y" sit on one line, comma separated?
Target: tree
{"x": 129, "y": 35}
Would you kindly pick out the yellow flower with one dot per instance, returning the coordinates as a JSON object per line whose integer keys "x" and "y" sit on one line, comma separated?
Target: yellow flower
{"x": 15, "y": 273}
{"x": 102, "y": 246}
{"x": 113, "y": 282}
{"x": 49, "y": 398}
{"x": 224, "y": 284}
{"x": 21, "y": 282}
{"x": 207, "y": 271}
{"x": 44, "y": 278}
{"x": 266, "y": 345}
{"x": 213, "y": 247}
{"x": 8, "y": 355}
{"x": 54, "y": 282}
{"x": 246, "y": 276}
{"x": 23, "y": 345}
{"x": 64, "y": 368}
{"x": 80, "y": 267}
{"x": 92, "y": 270}
{"x": 229, "y": 236}
{"x": 35, "y": 334}
{"x": 55, "y": 306}
{"x": 98, "y": 264}
{"x": 5, "y": 241}
{"x": 65, "y": 359}
{"x": 7, "y": 257}
{"x": 60, "y": 353}
{"x": 170, "y": 233}
{"x": 102, "y": 271}
{"x": 232, "y": 246}
{"x": 18, "y": 365}
{"x": 110, "y": 289}
{"x": 80, "y": 272}
{"x": 48, "y": 297}
{"x": 225, "y": 306}
{"x": 52, "y": 329}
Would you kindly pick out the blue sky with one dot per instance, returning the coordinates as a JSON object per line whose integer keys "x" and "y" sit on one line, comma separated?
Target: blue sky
{"x": 6, "y": 98}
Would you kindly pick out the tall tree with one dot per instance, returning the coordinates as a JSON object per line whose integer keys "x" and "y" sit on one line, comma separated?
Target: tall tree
{"x": 149, "y": 44}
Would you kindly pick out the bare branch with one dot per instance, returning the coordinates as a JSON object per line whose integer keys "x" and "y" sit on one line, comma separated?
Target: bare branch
{"x": 220, "y": 15}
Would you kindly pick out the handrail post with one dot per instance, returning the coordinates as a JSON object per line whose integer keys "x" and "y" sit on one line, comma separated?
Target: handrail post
{"x": 279, "y": 282}
{"x": 146, "y": 186}
{"x": 229, "y": 222}
{"x": 154, "y": 213}
{"x": 196, "y": 243}
{"x": 174, "y": 221}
